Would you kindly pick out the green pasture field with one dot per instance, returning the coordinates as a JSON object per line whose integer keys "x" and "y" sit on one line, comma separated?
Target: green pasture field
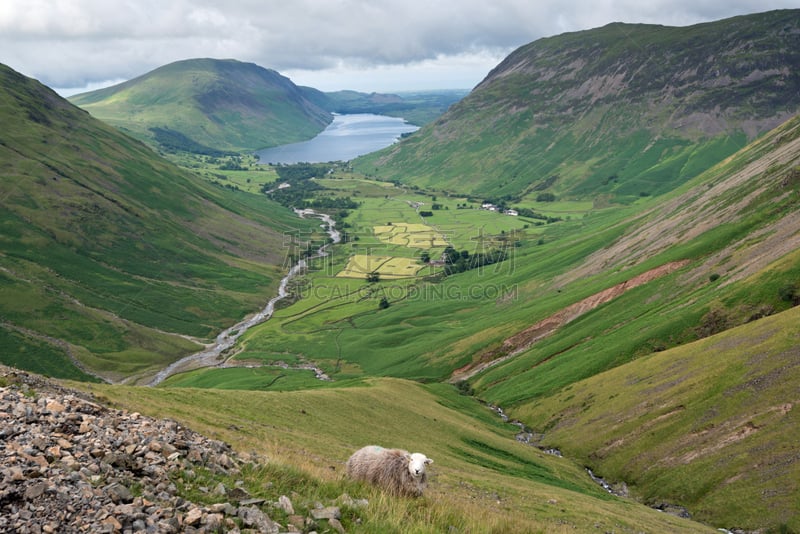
{"x": 251, "y": 178}
{"x": 414, "y": 235}
{"x": 387, "y": 267}
{"x": 478, "y": 230}
{"x": 356, "y": 186}
{"x": 246, "y": 378}
{"x": 464, "y": 229}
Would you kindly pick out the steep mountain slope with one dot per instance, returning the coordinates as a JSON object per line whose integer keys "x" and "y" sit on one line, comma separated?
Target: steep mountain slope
{"x": 110, "y": 257}
{"x": 713, "y": 417}
{"x": 713, "y": 425}
{"x": 209, "y": 105}
{"x": 620, "y": 112}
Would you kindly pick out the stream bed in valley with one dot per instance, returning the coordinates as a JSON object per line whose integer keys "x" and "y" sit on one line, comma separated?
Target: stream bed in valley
{"x": 212, "y": 355}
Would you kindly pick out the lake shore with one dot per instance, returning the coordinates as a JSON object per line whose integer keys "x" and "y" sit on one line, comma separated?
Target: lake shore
{"x": 347, "y": 137}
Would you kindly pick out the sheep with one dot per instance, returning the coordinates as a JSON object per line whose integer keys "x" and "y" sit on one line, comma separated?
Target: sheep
{"x": 394, "y": 470}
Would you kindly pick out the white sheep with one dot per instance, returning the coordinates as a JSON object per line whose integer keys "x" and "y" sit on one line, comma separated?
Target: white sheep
{"x": 394, "y": 470}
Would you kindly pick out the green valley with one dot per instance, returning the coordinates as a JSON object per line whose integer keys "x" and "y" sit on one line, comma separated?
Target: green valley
{"x": 590, "y": 265}
{"x": 523, "y": 333}
{"x": 116, "y": 262}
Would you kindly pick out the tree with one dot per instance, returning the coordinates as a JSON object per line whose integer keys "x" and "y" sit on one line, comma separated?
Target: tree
{"x": 789, "y": 293}
{"x": 374, "y": 276}
{"x": 384, "y": 303}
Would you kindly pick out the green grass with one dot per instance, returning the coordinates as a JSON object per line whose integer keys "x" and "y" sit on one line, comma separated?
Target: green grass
{"x": 142, "y": 251}
{"x": 253, "y": 379}
{"x": 720, "y": 400}
{"x": 482, "y": 479}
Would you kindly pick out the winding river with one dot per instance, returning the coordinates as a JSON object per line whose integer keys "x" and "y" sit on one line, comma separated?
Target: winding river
{"x": 210, "y": 357}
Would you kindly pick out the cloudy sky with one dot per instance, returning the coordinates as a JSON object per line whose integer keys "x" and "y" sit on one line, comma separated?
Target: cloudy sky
{"x": 366, "y": 45}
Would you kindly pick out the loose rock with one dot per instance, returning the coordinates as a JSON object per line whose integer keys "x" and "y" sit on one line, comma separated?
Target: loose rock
{"x": 70, "y": 464}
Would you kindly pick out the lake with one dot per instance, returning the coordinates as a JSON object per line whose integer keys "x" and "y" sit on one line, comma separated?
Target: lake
{"x": 347, "y": 137}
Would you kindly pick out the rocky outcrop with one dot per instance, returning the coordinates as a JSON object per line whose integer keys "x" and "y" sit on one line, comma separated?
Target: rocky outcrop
{"x": 69, "y": 464}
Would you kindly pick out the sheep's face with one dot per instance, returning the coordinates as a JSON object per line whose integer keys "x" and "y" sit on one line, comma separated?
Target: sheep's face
{"x": 417, "y": 463}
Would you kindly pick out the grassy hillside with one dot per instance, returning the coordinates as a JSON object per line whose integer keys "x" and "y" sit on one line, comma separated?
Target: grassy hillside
{"x": 614, "y": 113}
{"x": 209, "y": 106}
{"x": 737, "y": 225}
{"x": 712, "y": 425}
{"x": 112, "y": 260}
{"x": 483, "y": 480}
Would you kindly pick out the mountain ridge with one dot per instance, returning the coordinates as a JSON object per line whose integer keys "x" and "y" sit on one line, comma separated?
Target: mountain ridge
{"x": 619, "y": 111}
{"x": 216, "y": 104}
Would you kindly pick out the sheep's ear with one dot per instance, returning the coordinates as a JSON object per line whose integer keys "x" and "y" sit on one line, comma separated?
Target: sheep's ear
{"x": 428, "y": 460}
{"x": 407, "y": 456}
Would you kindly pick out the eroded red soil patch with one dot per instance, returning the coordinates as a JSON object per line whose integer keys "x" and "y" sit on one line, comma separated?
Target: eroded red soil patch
{"x": 522, "y": 340}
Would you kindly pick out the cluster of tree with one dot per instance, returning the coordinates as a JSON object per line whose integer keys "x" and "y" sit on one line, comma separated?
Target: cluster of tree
{"x": 233, "y": 164}
{"x": 328, "y": 203}
{"x": 530, "y": 214}
{"x": 297, "y": 172}
{"x": 174, "y": 141}
{"x": 303, "y": 198}
{"x": 460, "y": 261}
{"x": 303, "y": 192}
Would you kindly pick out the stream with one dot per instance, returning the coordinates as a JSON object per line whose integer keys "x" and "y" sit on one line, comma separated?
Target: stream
{"x": 210, "y": 357}
{"x": 528, "y": 437}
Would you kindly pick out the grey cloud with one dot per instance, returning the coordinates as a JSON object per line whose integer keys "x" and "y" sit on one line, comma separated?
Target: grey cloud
{"x": 74, "y": 42}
